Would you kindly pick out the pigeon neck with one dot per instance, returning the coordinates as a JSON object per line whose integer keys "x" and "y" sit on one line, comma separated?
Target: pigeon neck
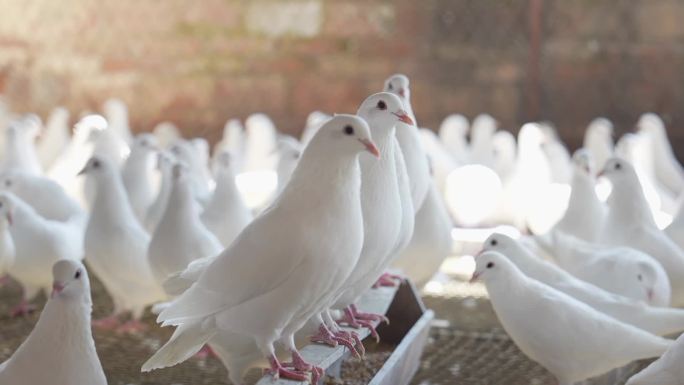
{"x": 627, "y": 205}
{"x": 111, "y": 198}
{"x": 582, "y": 192}
{"x": 225, "y": 194}
{"x": 181, "y": 202}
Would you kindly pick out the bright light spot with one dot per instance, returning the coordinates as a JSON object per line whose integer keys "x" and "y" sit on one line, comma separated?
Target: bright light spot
{"x": 434, "y": 288}
{"x": 480, "y": 235}
{"x": 461, "y": 266}
{"x": 257, "y": 187}
{"x": 662, "y": 219}
{"x": 472, "y": 193}
{"x": 547, "y": 207}
{"x": 603, "y": 189}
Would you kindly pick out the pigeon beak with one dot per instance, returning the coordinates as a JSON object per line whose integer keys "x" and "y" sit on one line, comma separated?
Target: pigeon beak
{"x": 649, "y": 294}
{"x": 402, "y": 93}
{"x": 601, "y": 173}
{"x": 83, "y": 171}
{"x": 475, "y": 277}
{"x": 56, "y": 289}
{"x": 370, "y": 147}
{"x": 9, "y": 218}
{"x": 403, "y": 117}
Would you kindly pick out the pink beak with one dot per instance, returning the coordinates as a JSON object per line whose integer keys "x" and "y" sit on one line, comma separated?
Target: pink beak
{"x": 371, "y": 147}
{"x": 56, "y": 289}
{"x": 601, "y": 173}
{"x": 476, "y": 275}
{"x": 403, "y": 117}
{"x": 402, "y": 93}
{"x": 649, "y": 292}
{"x": 9, "y": 218}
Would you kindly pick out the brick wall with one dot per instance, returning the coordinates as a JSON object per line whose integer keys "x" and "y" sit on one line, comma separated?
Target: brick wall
{"x": 198, "y": 63}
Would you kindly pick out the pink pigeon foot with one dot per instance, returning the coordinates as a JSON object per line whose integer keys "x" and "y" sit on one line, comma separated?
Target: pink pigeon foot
{"x": 325, "y": 336}
{"x": 359, "y": 315}
{"x": 349, "y": 319}
{"x": 277, "y": 370}
{"x": 23, "y": 309}
{"x": 353, "y": 336}
{"x": 107, "y": 323}
{"x": 205, "y": 352}
{"x": 299, "y": 364}
{"x": 388, "y": 280}
{"x": 132, "y": 326}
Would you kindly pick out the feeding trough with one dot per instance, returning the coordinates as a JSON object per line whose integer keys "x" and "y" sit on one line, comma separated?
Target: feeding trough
{"x": 407, "y": 331}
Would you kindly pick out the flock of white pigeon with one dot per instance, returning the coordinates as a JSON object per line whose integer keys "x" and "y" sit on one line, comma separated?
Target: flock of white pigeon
{"x": 267, "y": 242}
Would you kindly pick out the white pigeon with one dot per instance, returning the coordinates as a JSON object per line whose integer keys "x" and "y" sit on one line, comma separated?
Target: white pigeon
{"x": 180, "y": 237}
{"x": 585, "y": 214}
{"x": 313, "y": 122}
{"x": 226, "y": 214}
{"x": 620, "y": 270}
{"x": 286, "y": 261}
{"x": 60, "y": 349}
{"x": 675, "y": 230}
{"x": 636, "y": 149}
{"x": 20, "y": 148}
{"x": 630, "y": 223}
{"x": 7, "y": 250}
{"x": 668, "y": 170}
{"x": 233, "y": 141}
{"x": 202, "y": 150}
{"x": 138, "y": 174}
{"x": 116, "y": 245}
{"x": 568, "y": 338}
{"x": 39, "y": 243}
{"x": 504, "y": 146}
{"x": 481, "y": 136}
{"x": 431, "y": 242}
{"x": 656, "y": 320}
{"x": 187, "y": 153}
{"x": 557, "y": 155}
{"x": 598, "y": 140}
{"x": 165, "y": 163}
{"x": 116, "y": 112}
{"x": 380, "y": 200}
{"x": 166, "y": 133}
{"x": 45, "y": 195}
{"x": 440, "y": 161}
{"x": 667, "y": 370}
{"x": 453, "y": 134}
{"x": 409, "y": 140}
{"x": 260, "y": 142}
{"x": 55, "y": 137}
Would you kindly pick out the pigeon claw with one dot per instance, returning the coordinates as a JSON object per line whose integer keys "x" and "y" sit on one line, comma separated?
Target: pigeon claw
{"x": 349, "y": 319}
{"x": 354, "y": 337}
{"x": 107, "y": 323}
{"x": 205, "y": 352}
{"x": 388, "y": 280}
{"x": 300, "y": 365}
{"x": 369, "y": 325}
{"x": 277, "y": 370}
{"x": 324, "y": 336}
{"x": 23, "y": 309}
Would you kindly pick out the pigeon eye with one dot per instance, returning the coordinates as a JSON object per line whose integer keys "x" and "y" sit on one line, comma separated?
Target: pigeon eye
{"x": 382, "y": 105}
{"x": 8, "y": 183}
{"x": 349, "y": 130}
{"x": 78, "y": 274}
{"x": 493, "y": 242}
{"x": 618, "y": 166}
{"x": 390, "y": 87}
{"x": 640, "y": 278}
{"x": 96, "y": 163}
{"x": 490, "y": 265}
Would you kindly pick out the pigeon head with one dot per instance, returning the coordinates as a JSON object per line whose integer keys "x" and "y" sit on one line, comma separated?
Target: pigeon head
{"x": 647, "y": 276}
{"x": 97, "y": 165}
{"x": 165, "y": 160}
{"x": 145, "y": 143}
{"x": 92, "y": 125}
{"x": 179, "y": 171}
{"x": 289, "y": 148}
{"x": 6, "y": 209}
{"x": 383, "y": 110}
{"x": 617, "y": 169}
{"x": 499, "y": 242}
{"x": 650, "y": 122}
{"x": 456, "y": 123}
{"x": 398, "y": 84}
{"x": 344, "y": 134}
{"x": 583, "y": 162}
{"x": 69, "y": 280}
{"x": 601, "y": 127}
{"x": 491, "y": 265}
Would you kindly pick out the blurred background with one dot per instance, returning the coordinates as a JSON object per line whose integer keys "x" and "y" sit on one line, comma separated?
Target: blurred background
{"x": 198, "y": 63}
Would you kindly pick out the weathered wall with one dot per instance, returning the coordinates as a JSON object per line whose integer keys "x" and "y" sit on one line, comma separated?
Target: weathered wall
{"x": 198, "y": 63}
